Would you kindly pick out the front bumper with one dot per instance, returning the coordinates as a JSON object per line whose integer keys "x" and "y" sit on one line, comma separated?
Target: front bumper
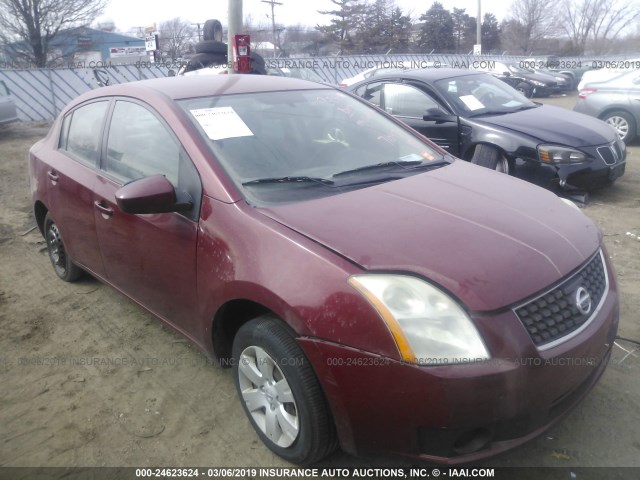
{"x": 592, "y": 174}
{"x": 461, "y": 413}
{"x": 606, "y": 163}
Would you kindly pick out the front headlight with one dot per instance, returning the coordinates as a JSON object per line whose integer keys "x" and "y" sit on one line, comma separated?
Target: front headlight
{"x": 428, "y": 326}
{"x": 537, "y": 83}
{"x": 557, "y": 154}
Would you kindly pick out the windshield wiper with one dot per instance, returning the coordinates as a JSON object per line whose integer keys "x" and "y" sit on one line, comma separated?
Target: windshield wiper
{"x": 504, "y": 112}
{"x": 492, "y": 112}
{"x": 526, "y": 107}
{"x": 403, "y": 164}
{"x": 298, "y": 179}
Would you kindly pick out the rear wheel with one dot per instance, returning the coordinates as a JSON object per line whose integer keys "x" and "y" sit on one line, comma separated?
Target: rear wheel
{"x": 490, "y": 157}
{"x": 280, "y": 392}
{"x": 60, "y": 259}
{"x": 623, "y": 124}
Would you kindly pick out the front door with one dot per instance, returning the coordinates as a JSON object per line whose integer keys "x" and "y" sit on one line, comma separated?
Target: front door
{"x": 409, "y": 104}
{"x": 151, "y": 258}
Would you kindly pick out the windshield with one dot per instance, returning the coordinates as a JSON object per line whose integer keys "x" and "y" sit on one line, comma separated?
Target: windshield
{"x": 482, "y": 94}
{"x": 281, "y": 147}
{"x": 516, "y": 69}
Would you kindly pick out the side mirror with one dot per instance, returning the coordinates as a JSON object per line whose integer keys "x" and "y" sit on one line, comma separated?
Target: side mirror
{"x": 437, "y": 115}
{"x": 153, "y": 194}
{"x": 506, "y": 74}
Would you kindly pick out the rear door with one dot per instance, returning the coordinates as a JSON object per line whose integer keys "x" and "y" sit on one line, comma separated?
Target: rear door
{"x": 71, "y": 172}
{"x": 151, "y": 258}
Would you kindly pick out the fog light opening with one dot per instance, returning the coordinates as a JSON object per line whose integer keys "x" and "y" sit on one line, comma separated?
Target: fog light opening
{"x": 472, "y": 441}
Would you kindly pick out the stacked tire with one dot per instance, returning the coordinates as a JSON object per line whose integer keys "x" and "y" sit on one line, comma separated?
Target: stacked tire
{"x": 212, "y": 51}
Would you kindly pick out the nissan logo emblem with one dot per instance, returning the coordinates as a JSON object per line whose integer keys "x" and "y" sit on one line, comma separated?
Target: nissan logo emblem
{"x": 583, "y": 300}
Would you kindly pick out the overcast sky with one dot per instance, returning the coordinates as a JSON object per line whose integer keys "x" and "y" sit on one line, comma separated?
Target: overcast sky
{"x": 128, "y": 14}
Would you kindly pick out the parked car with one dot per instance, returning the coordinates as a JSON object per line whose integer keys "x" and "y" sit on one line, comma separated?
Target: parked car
{"x": 610, "y": 70}
{"x": 376, "y": 71}
{"x": 615, "y": 102}
{"x": 525, "y": 81}
{"x": 478, "y": 118}
{"x": 574, "y": 68}
{"x": 326, "y": 251}
{"x": 302, "y": 72}
{"x": 392, "y": 66}
{"x": 564, "y": 81}
{"x": 8, "y": 109}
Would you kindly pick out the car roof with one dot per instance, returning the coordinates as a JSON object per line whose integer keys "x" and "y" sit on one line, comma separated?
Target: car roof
{"x": 176, "y": 88}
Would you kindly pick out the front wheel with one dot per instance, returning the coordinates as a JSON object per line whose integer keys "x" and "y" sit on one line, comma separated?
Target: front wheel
{"x": 60, "y": 259}
{"x": 280, "y": 392}
{"x": 490, "y": 157}
{"x": 623, "y": 123}
{"x": 525, "y": 89}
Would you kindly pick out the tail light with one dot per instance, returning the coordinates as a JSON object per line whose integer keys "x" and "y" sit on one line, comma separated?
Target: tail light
{"x": 585, "y": 92}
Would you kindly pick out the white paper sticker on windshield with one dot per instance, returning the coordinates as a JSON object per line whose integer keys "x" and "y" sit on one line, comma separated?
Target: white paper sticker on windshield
{"x": 472, "y": 102}
{"x": 221, "y": 122}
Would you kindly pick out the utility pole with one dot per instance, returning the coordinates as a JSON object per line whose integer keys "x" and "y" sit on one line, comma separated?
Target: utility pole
{"x": 479, "y": 26}
{"x": 273, "y": 3}
{"x": 199, "y": 34}
{"x": 235, "y": 27}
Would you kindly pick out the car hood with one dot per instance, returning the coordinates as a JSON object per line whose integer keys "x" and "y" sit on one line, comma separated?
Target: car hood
{"x": 556, "y": 125}
{"x": 489, "y": 239}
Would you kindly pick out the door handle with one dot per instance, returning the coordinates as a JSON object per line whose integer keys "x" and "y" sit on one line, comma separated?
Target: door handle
{"x": 105, "y": 211}
{"x": 53, "y": 176}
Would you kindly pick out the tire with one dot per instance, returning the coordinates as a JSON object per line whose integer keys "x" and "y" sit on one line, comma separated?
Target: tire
{"x": 212, "y": 30}
{"x": 257, "y": 64}
{"x": 490, "y": 157}
{"x": 623, "y": 123}
{"x": 269, "y": 363}
{"x": 60, "y": 259}
{"x": 204, "y": 60}
{"x": 211, "y": 46}
{"x": 257, "y": 61}
{"x": 525, "y": 89}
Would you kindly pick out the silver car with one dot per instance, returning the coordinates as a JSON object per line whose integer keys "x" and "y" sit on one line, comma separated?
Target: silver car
{"x": 8, "y": 110}
{"x": 616, "y": 101}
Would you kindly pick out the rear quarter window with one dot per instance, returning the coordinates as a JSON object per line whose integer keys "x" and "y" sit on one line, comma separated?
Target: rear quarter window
{"x": 82, "y": 131}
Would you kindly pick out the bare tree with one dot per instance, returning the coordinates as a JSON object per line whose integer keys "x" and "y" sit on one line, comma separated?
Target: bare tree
{"x": 599, "y": 20}
{"x": 175, "y": 37}
{"x": 533, "y": 20}
{"x": 30, "y": 25}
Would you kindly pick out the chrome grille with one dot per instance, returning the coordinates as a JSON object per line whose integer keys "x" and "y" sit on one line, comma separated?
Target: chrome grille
{"x": 610, "y": 154}
{"x": 561, "y": 313}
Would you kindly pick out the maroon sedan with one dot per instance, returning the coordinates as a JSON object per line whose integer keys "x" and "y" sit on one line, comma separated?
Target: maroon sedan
{"x": 368, "y": 290}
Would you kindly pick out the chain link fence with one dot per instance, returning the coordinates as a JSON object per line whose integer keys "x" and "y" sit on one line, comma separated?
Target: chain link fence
{"x": 41, "y": 94}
